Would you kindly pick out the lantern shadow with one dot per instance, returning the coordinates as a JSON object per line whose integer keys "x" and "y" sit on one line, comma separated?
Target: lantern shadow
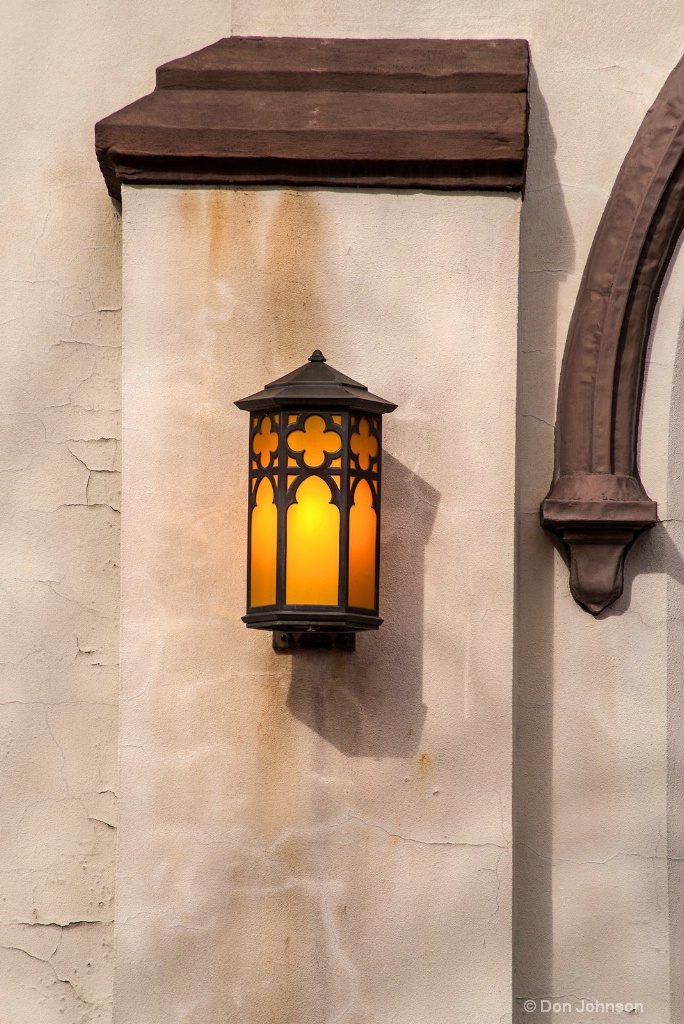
{"x": 369, "y": 703}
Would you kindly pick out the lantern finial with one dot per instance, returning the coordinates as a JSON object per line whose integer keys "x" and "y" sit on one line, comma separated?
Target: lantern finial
{"x": 317, "y": 357}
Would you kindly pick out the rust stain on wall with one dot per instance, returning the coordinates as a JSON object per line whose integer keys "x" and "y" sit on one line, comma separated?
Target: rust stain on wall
{"x": 221, "y": 226}
{"x": 288, "y": 292}
{"x": 295, "y": 317}
{"x": 215, "y": 302}
{"x": 294, "y": 322}
{"x": 247, "y": 278}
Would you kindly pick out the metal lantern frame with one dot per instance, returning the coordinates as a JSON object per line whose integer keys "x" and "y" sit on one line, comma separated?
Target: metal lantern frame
{"x": 280, "y": 418}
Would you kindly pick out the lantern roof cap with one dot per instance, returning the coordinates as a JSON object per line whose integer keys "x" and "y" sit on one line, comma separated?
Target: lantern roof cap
{"x": 316, "y": 383}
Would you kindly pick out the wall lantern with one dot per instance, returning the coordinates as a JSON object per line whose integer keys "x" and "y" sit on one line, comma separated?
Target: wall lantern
{"x": 315, "y": 442}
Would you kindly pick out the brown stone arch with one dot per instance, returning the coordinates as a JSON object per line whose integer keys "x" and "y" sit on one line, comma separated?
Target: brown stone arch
{"x": 597, "y": 504}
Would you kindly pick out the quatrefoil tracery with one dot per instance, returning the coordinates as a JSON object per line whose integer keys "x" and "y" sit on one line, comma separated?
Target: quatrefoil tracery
{"x": 315, "y": 441}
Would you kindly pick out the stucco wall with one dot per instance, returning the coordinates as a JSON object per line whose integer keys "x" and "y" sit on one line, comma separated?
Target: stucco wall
{"x": 63, "y": 66}
{"x": 597, "y": 801}
{"x": 317, "y": 836}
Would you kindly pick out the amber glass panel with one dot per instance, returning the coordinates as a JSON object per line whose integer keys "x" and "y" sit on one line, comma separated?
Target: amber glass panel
{"x": 363, "y": 527}
{"x": 264, "y": 546}
{"x": 364, "y": 444}
{"x": 313, "y": 545}
{"x": 265, "y": 441}
{"x": 314, "y": 441}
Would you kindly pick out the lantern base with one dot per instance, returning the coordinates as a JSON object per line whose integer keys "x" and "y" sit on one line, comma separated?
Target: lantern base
{"x": 313, "y": 639}
{"x": 311, "y": 619}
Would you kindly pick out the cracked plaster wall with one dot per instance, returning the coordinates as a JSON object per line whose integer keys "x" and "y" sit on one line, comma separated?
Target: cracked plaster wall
{"x": 63, "y": 66}
{"x": 597, "y": 797}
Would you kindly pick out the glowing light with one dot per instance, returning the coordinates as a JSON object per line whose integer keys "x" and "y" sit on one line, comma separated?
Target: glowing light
{"x": 314, "y": 499}
{"x": 364, "y": 444}
{"x": 264, "y": 551}
{"x": 363, "y": 526}
{"x": 313, "y": 546}
{"x": 265, "y": 442}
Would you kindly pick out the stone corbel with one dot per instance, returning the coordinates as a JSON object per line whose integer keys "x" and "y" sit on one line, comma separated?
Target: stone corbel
{"x": 597, "y": 504}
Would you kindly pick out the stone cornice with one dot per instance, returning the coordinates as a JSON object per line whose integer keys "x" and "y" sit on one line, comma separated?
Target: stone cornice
{"x": 392, "y": 113}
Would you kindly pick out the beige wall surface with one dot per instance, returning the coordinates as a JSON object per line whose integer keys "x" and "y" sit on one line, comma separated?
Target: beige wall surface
{"x": 320, "y": 836}
{"x": 63, "y": 66}
{"x": 599, "y": 711}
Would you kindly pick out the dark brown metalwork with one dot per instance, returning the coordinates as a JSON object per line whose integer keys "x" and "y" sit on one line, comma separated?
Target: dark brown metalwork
{"x": 393, "y": 113}
{"x": 314, "y": 640}
{"x": 597, "y": 504}
{"x": 281, "y": 410}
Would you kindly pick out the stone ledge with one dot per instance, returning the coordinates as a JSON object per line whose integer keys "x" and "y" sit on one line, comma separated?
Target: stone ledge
{"x": 392, "y": 113}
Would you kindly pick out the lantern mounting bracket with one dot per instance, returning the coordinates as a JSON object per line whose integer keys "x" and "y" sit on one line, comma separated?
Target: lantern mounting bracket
{"x": 313, "y": 639}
